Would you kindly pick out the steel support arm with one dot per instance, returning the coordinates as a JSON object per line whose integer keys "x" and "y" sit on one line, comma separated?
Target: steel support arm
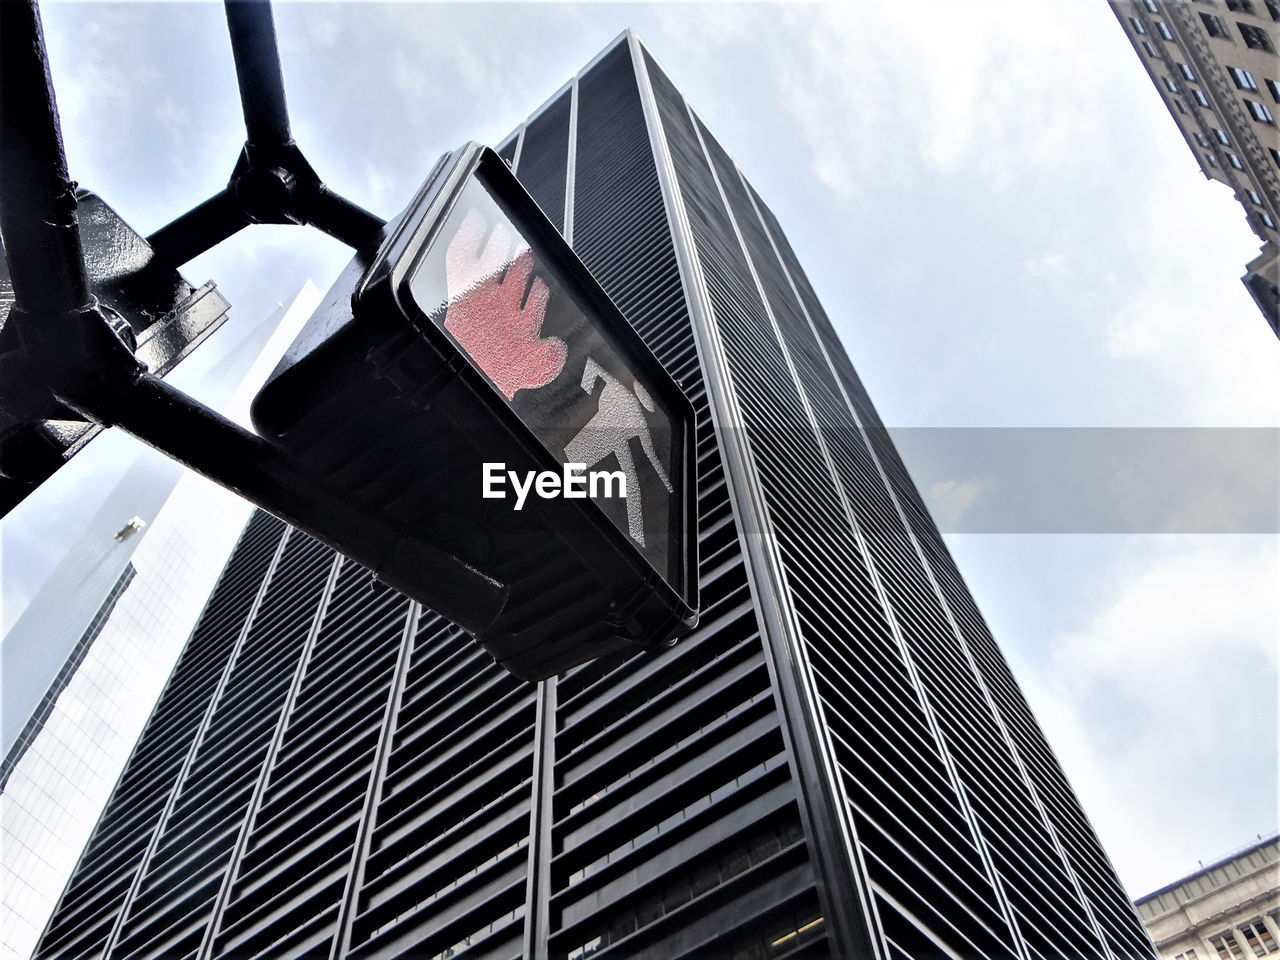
{"x": 258, "y": 73}
{"x": 38, "y": 201}
{"x": 341, "y": 219}
{"x": 272, "y": 181}
{"x": 173, "y": 423}
{"x": 199, "y": 229}
{"x": 61, "y": 357}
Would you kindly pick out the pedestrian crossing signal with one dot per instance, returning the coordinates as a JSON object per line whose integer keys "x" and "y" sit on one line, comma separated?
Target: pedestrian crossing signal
{"x": 475, "y": 338}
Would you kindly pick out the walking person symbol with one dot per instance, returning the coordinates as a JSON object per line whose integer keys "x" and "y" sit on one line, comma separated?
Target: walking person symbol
{"x": 618, "y": 420}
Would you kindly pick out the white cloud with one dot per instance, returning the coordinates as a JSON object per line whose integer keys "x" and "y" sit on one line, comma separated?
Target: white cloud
{"x": 1188, "y": 319}
{"x": 170, "y": 114}
{"x": 937, "y": 87}
{"x": 950, "y": 500}
{"x": 381, "y": 186}
{"x": 324, "y": 27}
{"x": 1162, "y": 707}
{"x": 1053, "y": 265}
{"x": 889, "y": 97}
{"x": 104, "y": 74}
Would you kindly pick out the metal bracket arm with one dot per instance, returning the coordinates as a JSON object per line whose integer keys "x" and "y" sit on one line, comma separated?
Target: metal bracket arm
{"x": 169, "y": 420}
{"x": 61, "y": 357}
{"x": 272, "y": 181}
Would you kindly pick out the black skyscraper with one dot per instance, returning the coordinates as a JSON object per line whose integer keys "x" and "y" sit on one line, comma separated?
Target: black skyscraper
{"x": 837, "y": 762}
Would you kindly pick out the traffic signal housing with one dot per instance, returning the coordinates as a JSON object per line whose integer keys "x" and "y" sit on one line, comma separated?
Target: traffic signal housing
{"x": 473, "y": 382}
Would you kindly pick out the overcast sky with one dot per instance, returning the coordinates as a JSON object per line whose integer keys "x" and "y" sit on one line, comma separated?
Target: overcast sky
{"x": 999, "y": 216}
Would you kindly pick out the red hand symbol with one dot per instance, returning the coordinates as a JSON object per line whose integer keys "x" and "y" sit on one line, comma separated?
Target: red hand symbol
{"x": 485, "y": 314}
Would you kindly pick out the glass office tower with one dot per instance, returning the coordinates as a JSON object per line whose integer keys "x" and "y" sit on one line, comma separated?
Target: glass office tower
{"x": 59, "y": 772}
{"x": 836, "y": 763}
{"x": 85, "y": 661}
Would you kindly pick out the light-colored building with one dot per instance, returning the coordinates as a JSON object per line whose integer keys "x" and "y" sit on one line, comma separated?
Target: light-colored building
{"x": 1216, "y": 66}
{"x": 1229, "y": 909}
{"x": 62, "y": 768}
{"x": 54, "y": 631}
{"x": 85, "y": 661}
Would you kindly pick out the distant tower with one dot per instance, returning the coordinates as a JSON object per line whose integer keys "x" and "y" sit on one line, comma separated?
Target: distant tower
{"x": 86, "y": 660}
{"x": 1216, "y": 67}
{"x": 836, "y": 763}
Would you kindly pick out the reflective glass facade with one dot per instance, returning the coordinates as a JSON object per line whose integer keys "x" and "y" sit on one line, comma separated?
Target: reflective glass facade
{"x": 39, "y": 646}
{"x": 836, "y": 763}
{"x": 85, "y": 662}
{"x": 55, "y": 787}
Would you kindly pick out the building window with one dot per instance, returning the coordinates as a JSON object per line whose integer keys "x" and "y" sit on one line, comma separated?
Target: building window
{"x": 1164, "y": 30}
{"x": 1200, "y": 97}
{"x": 1260, "y": 925}
{"x": 1227, "y": 947}
{"x": 1275, "y": 155}
{"x": 1260, "y": 112}
{"x": 1186, "y": 71}
{"x": 1214, "y": 26}
{"x": 1232, "y": 942}
{"x": 1253, "y": 195}
{"x": 1243, "y": 78}
{"x": 1255, "y": 38}
{"x": 1138, "y": 26}
{"x": 1200, "y": 139}
{"x": 1212, "y": 162}
{"x": 1221, "y": 136}
{"x": 1255, "y": 932}
{"x": 1250, "y": 936}
{"x": 1151, "y": 5}
{"x": 1234, "y": 161}
{"x": 1170, "y": 85}
{"x": 1273, "y": 8}
{"x": 1273, "y": 88}
{"x": 1266, "y": 219}
{"x": 1151, "y": 51}
{"x": 1240, "y": 6}
{"x": 1178, "y": 103}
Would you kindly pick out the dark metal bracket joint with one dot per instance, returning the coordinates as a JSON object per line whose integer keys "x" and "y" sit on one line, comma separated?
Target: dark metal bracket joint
{"x": 272, "y": 182}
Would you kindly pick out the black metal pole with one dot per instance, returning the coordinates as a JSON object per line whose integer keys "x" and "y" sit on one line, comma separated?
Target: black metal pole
{"x": 257, "y": 59}
{"x": 38, "y": 220}
{"x": 198, "y": 230}
{"x": 341, "y": 219}
{"x": 169, "y": 420}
